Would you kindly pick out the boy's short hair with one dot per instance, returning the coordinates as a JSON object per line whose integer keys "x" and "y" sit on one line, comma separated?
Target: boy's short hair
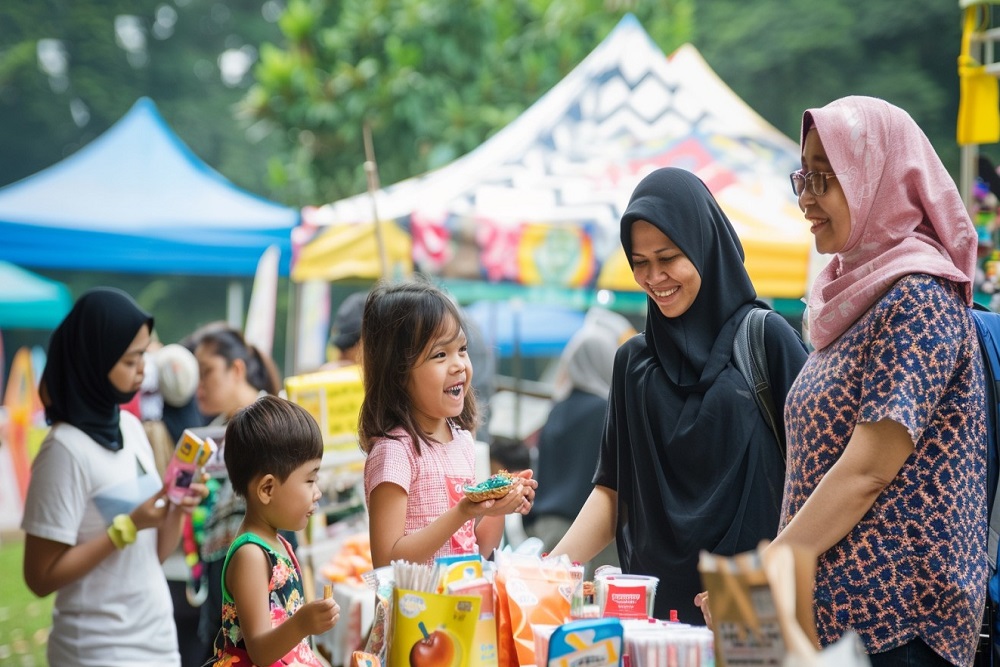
{"x": 269, "y": 436}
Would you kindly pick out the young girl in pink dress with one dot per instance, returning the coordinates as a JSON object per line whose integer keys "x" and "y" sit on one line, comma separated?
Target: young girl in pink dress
{"x": 416, "y": 426}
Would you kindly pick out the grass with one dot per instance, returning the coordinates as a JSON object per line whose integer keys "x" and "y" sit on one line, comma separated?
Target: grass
{"x": 24, "y": 619}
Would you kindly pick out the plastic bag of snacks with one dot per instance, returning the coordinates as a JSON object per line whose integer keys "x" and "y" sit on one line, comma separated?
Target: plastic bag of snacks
{"x": 630, "y": 596}
{"x": 530, "y": 591}
{"x": 380, "y": 581}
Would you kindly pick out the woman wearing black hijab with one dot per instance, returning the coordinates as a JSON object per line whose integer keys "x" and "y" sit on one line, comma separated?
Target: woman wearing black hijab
{"x": 687, "y": 460}
{"x": 95, "y": 491}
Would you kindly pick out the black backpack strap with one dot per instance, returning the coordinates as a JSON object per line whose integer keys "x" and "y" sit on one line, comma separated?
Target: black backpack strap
{"x": 750, "y": 359}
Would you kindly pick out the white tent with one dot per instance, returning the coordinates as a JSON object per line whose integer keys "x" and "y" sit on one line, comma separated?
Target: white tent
{"x": 539, "y": 203}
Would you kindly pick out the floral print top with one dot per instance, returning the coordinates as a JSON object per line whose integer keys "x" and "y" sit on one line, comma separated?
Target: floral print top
{"x": 286, "y": 595}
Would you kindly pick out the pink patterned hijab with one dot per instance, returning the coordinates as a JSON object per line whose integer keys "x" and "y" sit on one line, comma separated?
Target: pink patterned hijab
{"x": 906, "y": 212}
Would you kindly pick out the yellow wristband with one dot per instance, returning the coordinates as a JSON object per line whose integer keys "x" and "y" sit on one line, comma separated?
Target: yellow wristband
{"x": 122, "y": 531}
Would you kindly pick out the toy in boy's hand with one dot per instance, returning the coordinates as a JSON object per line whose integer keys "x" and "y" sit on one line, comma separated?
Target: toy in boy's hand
{"x": 497, "y": 486}
{"x": 191, "y": 454}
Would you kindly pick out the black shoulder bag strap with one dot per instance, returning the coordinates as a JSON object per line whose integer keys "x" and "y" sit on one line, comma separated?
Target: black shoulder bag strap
{"x": 750, "y": 359}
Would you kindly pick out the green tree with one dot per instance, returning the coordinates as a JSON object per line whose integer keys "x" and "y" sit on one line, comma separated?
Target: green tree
{"x": 783, "y": 58}
{"x": 432, "y": 78}
{"x": 69, "y": 70}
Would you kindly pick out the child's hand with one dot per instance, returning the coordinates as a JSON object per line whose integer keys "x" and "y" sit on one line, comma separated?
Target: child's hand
{"x": 318, "y": 616}
{"x": 498, "y": 506}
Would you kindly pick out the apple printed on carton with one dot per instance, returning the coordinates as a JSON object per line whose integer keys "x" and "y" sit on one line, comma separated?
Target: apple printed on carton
{"x": 436, "y": 649}
{"x": 432, "y": 630}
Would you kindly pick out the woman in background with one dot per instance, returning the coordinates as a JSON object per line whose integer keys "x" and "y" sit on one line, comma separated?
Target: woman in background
{"x": 570, "y": 441}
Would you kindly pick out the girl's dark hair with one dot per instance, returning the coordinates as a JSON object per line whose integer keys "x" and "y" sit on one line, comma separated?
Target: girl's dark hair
{"x": 269, "y": 436}
{"x": 399, "y": 321}
{"x": 229, "y": 344}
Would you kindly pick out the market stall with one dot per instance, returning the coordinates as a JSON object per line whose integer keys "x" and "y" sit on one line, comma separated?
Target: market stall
{"x": 138, "y": 200}
{"x": 538, "y": 204}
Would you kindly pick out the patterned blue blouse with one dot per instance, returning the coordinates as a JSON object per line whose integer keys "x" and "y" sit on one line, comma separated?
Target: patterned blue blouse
{"x": 915, "y": 566}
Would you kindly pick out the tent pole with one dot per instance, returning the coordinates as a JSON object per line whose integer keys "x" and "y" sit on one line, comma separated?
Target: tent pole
{"x": 516, "y": 322}
{"x": 967, "y": 173}
{"x": 291, "y": 328}
{"x": 371, "y": 171}
{"x": 234, "y": 305}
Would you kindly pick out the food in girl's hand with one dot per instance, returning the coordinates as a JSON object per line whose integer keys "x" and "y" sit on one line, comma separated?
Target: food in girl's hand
{"x": 496, "y": 486}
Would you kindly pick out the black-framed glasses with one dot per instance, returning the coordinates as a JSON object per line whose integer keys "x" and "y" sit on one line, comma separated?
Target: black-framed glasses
{"x": 815, "y": 179}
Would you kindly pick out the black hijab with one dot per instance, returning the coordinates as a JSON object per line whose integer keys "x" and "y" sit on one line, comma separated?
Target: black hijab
{"x": 695, "y": 347}
{"x": 693, "y": 463}
{"x": 84, "y": 348}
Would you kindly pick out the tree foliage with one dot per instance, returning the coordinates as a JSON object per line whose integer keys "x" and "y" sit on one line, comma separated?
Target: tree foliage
{"x": 783, "y": 58}
{"x": 432, "y": 79}
{"x": 69, "y": 70}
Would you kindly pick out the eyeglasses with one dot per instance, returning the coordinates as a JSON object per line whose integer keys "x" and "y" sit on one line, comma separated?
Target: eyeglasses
{"x": 815, "y": 179}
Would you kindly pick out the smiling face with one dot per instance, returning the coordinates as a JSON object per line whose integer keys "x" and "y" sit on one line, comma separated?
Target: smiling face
{"x": 828, "y": 215}
{"x": 127, "y": 374}
{"x": 663, "y": 272}
{"x": 440, "y": 380}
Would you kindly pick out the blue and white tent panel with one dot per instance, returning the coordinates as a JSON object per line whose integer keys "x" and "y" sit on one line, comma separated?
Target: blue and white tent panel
{"x": 138, "y": 200}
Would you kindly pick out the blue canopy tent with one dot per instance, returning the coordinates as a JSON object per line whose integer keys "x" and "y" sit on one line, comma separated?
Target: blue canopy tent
{"x": 138, "y": 200}
{"x": 29, "y": 301}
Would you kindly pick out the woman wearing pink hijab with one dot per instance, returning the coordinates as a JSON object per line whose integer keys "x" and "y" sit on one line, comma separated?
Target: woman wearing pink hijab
{"x": 885, "y": 422}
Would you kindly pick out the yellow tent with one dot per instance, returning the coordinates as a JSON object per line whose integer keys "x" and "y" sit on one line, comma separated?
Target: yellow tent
{"x": 352, "y": 251}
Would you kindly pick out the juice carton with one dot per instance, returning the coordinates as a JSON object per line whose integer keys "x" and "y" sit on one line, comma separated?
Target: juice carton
{"x": 458, "y": 568}
{"x": 484, "y": 642}
{"x": 591, "y": 642}
{"x": 432, "y": 630}
{"x": 190, "y": 455}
